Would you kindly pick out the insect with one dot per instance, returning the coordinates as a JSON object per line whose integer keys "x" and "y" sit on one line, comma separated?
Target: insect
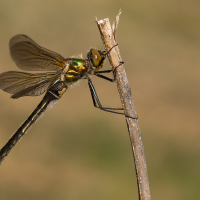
{"x": 28, "y": 55}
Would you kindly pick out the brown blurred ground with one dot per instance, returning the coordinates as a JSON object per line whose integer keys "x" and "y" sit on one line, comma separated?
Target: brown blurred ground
{"x": 78, "y": 152}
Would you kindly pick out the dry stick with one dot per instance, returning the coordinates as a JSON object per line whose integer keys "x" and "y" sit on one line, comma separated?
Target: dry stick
{"x": 127, "y": 102}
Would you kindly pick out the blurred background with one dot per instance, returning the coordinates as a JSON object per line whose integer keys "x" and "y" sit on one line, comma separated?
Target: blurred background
{"x": 78, "y": 152}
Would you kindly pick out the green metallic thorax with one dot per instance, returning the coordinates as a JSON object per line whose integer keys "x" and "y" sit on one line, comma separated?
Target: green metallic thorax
{"x": 77, "y": 69}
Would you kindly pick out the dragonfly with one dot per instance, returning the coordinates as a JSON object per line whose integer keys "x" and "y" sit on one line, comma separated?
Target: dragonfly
{"x": 61, "y": 74}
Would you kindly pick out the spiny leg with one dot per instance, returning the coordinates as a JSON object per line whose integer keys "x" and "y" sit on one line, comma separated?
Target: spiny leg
{"x": 98, "y": 73}
{"x": 110, "y": 50}
{"x": 97, "y": 103}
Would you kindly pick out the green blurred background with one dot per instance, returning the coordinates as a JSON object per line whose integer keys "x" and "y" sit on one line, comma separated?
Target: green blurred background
{"x": 78, "y": 152}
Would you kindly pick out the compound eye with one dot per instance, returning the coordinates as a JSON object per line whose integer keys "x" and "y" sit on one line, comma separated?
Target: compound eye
{"x": 95, "y": 57}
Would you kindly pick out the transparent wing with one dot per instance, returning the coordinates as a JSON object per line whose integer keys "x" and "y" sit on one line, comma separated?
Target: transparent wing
{"x": 26, "y": 84}
{"x": 28, "y": 55}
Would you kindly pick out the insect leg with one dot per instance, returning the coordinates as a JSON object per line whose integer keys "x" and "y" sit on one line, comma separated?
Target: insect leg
{"x": 97, "y": 103}
{"x": 98, "y": 73}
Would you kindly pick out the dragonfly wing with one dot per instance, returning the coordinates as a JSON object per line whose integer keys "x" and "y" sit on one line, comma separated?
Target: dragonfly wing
{"x": 26, "y": 84}
{"x": 28, "y": 55}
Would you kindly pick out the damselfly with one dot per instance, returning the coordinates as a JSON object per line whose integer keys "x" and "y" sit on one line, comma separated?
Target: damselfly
{"x": 28, "y": 55}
